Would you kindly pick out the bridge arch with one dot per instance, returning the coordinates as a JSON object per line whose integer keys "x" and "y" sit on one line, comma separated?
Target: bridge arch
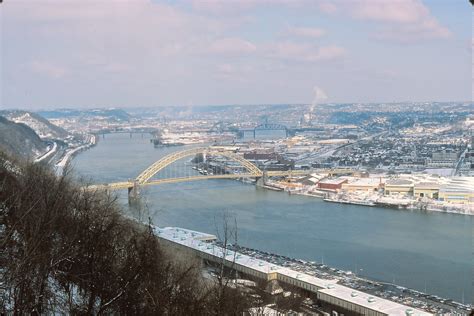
{"x": 159, "y": 165}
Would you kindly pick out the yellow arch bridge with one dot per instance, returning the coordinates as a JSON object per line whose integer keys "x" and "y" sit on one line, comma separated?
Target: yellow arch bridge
{"x": 145, "y": 178}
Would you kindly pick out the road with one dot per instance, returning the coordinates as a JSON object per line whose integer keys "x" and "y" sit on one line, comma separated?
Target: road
{"x": 52, "y": 148}
{"x": 460, "y": 162}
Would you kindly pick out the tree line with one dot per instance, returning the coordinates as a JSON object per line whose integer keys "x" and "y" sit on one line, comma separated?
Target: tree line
{"x": 69, "y": 250}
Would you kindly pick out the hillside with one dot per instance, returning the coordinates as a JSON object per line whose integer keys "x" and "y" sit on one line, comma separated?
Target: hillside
{"x": 69, "y": 251}
{"x": 19, "y": 140}
{"x": 43, "y": 127}
{"x": 117, "y": 115}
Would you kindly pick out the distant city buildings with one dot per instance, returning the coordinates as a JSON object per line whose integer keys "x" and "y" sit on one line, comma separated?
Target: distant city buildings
{"x": 413, "y": 151}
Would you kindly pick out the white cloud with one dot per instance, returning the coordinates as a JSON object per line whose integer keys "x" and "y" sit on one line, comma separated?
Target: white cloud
{"x": 223, "y": 6}
{"x": 404, "y": 20}
{"x": 232, "y": 45}
{"x": 399, "y": 11}
{"x": 235, "y": 72}
{"x": 310, "y": 32}
{"x": 110, "y": 36}
{"x": 149, "y": 51}
{"x": 409, "y": 34}
{"x": 232, "y": 7}
{"x": 303, "y": 51}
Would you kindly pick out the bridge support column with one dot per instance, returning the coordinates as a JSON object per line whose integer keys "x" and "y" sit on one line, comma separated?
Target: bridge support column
{"x": 262, "y": 181}
{"x": 134, "y": 194}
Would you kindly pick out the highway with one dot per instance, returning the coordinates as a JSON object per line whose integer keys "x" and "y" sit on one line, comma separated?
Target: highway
{"x": 52, "y": 148}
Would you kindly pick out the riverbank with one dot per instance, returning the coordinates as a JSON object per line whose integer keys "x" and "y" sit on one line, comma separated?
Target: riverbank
{"x": 353, "y": 279}
{"x": 410, "y": 247}
{"x": 408, "y": 204}
{"x": 372, "y": 199}
{"x": 69, "y": 153}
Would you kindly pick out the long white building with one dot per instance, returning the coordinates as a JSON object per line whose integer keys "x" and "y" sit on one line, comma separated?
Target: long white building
{"x": 328, "y": 291}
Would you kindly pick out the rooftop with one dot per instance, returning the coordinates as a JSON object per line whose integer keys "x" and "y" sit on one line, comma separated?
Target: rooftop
{"x": 427, "y": 185}
{"x": 333, "y": 181}
{"x": 194, "y": 239}
{"x": 402, "y": 182}
{"x": 372, "y": 302}
{"x": 366, "y": 181}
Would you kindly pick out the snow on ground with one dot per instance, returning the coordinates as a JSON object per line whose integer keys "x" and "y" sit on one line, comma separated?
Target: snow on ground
{"x": 444, "y": 172}
{"x": 70, "y": 152}
{"x": 40, "y": 128}
{"x": 51, "y": 150}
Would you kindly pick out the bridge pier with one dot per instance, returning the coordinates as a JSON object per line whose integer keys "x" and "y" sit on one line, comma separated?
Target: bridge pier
{"x": 262, "y": 181}
{"x": 134, "y": 194}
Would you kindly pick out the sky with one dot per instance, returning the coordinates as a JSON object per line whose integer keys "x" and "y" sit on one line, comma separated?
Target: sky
{"x": 137, "y": 53}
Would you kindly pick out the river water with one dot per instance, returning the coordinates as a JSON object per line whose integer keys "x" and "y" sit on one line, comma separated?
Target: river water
{"x": 425, "y": 251}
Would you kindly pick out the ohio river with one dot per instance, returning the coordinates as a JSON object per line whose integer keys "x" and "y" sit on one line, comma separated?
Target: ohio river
{"x": 431, "y": 251}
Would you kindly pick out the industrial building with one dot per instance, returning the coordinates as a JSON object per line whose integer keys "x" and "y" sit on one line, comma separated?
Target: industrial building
{"x": 363, "y": 303}
{"x": 331, "y": 184}
{"x": 340, "y": 299}
{"x": 368, "y": 185}
{"x": 426, "y": 189}
{"x": 399, "y": 186}
{"x": 459, "y": 190}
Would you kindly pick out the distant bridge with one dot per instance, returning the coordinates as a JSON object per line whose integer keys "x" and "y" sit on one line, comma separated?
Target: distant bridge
{"x": 133, "y": 130}
{"x": 268, "y": 127}
{"x": 145, "y": 178}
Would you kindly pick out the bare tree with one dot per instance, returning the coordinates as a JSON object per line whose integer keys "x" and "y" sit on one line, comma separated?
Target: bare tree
{"x": 228, "y": 299}
{"x": 71, "y": 250}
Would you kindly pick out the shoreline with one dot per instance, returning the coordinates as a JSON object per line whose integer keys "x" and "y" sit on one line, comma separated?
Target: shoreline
{"x": 70, "y": 153}
{"x": 346, "y": 277}
{"x": 291, "y": 192}
{"x": 407, "y": 205}
{"x": 379, "y": 201}
{"x": 320, "y": 273}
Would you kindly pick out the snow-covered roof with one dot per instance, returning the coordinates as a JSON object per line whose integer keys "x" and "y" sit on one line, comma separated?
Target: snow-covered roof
{"x": 195, "y": 240}
{"x": 370, "y": 301}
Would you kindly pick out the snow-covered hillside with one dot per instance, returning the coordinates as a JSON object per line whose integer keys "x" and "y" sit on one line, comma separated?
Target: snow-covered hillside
{"x": 42, "y": 127}
{"x": 20, "y": 140}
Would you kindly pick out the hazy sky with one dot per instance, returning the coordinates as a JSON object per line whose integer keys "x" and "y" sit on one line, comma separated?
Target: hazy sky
{"x": 91, "y": 53}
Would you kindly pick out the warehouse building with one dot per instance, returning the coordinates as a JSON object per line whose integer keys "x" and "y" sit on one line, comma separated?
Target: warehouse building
{"x": 399, "y": 186}
{"x": 352, "y": 302}
{"x": 459, "y": 190}
{"x": 368, "y": 185}
{"x": 331, "y": 184}
{"x": 426, "y": 189}
{"x": 340, "y": 299}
